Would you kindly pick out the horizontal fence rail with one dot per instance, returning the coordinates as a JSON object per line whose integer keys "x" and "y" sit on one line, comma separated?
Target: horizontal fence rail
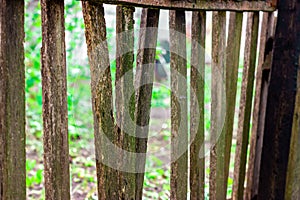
{"x": 197, "y": 5}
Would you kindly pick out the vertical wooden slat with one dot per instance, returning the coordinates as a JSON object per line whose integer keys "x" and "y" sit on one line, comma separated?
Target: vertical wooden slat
{"x": 232, "y": 65}
{"x": 125, "y": 98}
{"x": 179, "y": 131}
{"x": 144, "y": 82}
{"x": 280, "y": 102}
{"x": 293, "y": 174}
{"x": 55, "y": 111}
{"x": 197, "y": 160}
{"x": 262, "y": 78}
{"x": 12, "y": 101}
{"x": 245, "y": 105}
{"x": 101, "y": 86}
{"x": 217, "y": 140}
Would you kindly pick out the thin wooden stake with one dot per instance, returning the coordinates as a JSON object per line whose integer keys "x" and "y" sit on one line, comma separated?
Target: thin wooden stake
{"x": 197, "y": 161}
{"x": 217, "y": 140}
{"x": 232, "y": 65}
{"x": 245, "y": 105}
{"x": 179, "y": 130}
{"x": 144, "y": 82}
{"x": 101, "y": 86}
{"x": 55, "y": 110}
{"x": 12, "y": 101}
{"x": 125, "y": 99}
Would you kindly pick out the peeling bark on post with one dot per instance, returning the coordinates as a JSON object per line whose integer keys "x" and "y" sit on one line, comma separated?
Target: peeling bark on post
{"x": 101, "y": 86}
{"x": 12, "y": 101}
{"x": 55, "y": 111}
{"x": 179, "y": 130}
{"x": 280, "y": 102}
{"x": 144, "y": 79}
{"x": 245, "y": 106}
{"x": 197, "y": 160}
{"x": 125, "y": 99}
{"x": 217, "y": 140}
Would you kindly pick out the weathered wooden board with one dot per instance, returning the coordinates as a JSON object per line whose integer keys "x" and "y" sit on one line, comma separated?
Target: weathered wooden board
{"x": 55, "y": 111}
{"x": 245, "y": 105}
{"x": 144, "y": 81}
{"x": 12, "y": 101}
{"x": 217, "y": 135}
{"x": 198, "y": 5}
{"x": 197, "y": 160}
{"x": 280, "y": 102}
{"x": 101, "y": 88}
{"x": 259, "y": 107}
{"x": 179, "y": 126}
{"x": 293, "y": 174}
{"x": 231, "y": 77}
{"x": 125, "y": 99}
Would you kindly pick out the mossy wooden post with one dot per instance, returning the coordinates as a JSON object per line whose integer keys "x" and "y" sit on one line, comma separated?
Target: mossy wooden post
{"x": 55, "y": 111}
{"x": 245, "y": 105}
{"x": 197, "y": 160}
{"x": 101, "y": 86}
{"x": 125, "y": 100}
{"x": 144, "y": 79}
{"x": 280, "y": 102}
{"x": 217, "y": 135}
{"x": 179, "y": 130}
{"x": 12, "y": 101}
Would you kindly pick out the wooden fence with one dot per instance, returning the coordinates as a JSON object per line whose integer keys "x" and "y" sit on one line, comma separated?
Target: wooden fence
{"x": 274, "y": 81}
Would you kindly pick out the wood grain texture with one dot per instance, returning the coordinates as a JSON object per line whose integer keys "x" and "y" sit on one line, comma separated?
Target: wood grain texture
{"x": 231, "y": 77}
{"x": 179, "y": 126}
{"x": 197, "y": 160}
{"x": 197, "y": 5}
{"x": 280, "y": 102}
{"x": 259, "y": 107}
{"x": 12, "y": 101}
{"x": 245, "y": 105}
{"x": 125, "y": 99}
{"x": 293, "y": 174}
{"x": 55, "y": 111}
{"x": 218, "y": 101}
{"x": 101, "y": 89}
{"x": 144, "y": 79}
